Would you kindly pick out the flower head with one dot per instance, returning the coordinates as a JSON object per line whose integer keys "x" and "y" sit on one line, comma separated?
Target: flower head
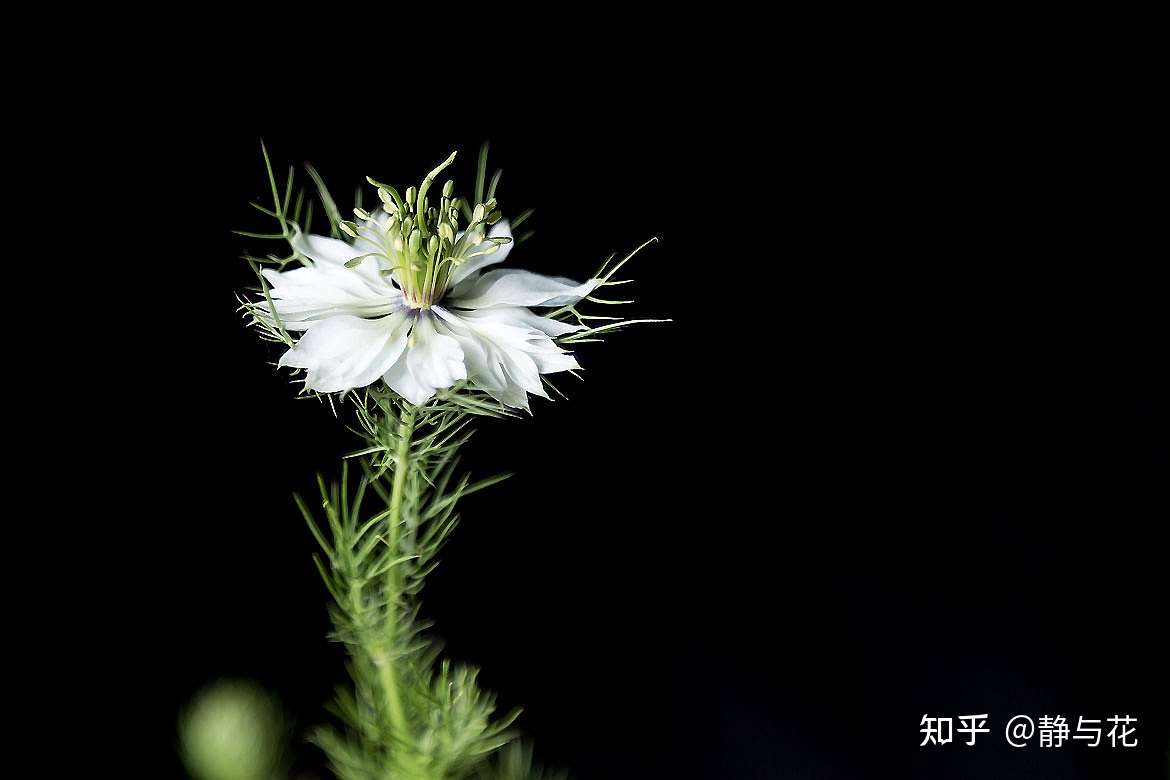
{"x": 410, "y": 301}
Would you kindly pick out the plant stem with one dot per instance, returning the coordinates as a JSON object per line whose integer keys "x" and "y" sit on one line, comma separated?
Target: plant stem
{"x": 401, "y": 467}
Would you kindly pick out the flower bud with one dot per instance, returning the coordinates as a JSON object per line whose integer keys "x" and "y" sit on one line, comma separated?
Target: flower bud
{"x": 448, "y": 188}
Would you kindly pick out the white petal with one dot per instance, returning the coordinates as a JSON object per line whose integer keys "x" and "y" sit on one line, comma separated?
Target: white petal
{"x": 526, "y": 318}
{"x": 499, "y": 230}
{"x": 346, "y": 352}
{"x": 433, "y": 361}
{"x": 372, "y": 235}
{"x": 515, "y": 332}
{"x": 325, "y": 250}
{"x": 313, "y": 293}
{"x": 511, "y": 287}
{"x": 505, "y": 353}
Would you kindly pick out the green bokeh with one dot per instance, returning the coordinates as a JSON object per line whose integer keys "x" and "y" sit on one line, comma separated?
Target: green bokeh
{"x": 232, "y": 731}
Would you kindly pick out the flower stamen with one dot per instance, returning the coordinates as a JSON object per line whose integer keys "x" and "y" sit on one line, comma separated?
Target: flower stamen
{"x": 423, "y": 243}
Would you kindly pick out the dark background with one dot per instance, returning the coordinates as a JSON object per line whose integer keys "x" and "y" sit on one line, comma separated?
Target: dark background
{"x": 902, "y": 450}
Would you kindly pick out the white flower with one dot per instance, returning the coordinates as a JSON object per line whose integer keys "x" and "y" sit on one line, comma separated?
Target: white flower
{"x": 420, "y": 324}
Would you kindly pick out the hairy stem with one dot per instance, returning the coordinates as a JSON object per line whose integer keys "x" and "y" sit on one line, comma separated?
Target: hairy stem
{"x": 393, "y": 587}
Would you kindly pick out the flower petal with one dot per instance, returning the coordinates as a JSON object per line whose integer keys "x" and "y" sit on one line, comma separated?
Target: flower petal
{"x": 325, "y": 250}
{"x": 313, "y": 293}
{"x": 515, "y": 332}
{"x": 499, "y": 230}
{"x": 526, "y": 318}
{"x": 505, "y": 352}
{"x": 512, "y": 287}
{"x": 372, "y": 236}
{"x": 346, "y": 352}
{"x": 433, "y": 361}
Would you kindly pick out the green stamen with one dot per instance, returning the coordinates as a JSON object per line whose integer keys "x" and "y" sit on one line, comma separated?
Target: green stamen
{"x": 420, "y": 242}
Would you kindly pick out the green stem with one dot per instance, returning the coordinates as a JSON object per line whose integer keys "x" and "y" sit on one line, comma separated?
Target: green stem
{"x": 401, "y": 467}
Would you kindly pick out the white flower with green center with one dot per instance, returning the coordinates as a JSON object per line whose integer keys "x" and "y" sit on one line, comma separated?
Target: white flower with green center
{"x": 410, "y": 302}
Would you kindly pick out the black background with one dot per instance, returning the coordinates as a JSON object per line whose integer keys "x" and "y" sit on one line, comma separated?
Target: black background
{"x": 902, "y": 450}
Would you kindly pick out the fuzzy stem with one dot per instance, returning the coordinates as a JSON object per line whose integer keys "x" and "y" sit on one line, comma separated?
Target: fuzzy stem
{"x": 401, "y": 466}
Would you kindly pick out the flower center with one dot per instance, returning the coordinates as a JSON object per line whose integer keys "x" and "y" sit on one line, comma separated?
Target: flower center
{"x": 423, "y": 242}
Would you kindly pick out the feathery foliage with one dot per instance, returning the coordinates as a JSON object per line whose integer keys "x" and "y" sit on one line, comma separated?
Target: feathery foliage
{"x": 407, "y": 714}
